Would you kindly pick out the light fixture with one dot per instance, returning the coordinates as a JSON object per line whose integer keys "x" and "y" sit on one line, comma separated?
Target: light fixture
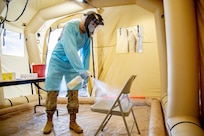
{"x": 82, "y": 1}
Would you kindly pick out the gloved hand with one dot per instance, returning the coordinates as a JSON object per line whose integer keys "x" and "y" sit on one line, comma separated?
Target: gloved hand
{"x": 84, "y": 75}
{"x": 84, "y": 84}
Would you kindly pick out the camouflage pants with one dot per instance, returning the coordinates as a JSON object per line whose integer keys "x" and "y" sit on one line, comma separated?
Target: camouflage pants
{"x": 72, "y": 105}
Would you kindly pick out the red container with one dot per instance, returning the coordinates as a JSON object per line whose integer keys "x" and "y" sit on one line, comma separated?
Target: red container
{"x": 39, "y": 69}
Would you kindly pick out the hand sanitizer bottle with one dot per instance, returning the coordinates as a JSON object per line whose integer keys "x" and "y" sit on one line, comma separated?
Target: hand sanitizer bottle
{"x": 74, "y": 82}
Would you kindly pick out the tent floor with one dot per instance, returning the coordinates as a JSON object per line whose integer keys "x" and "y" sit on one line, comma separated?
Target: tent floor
{"x": 28, "y": 123}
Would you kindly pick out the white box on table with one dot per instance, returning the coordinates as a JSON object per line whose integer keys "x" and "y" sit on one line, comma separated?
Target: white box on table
{"x": 29, "y": 76}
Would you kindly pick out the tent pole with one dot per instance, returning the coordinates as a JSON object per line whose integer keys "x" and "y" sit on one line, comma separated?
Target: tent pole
{"x": 92, "y": 61}
{"x": 93, "y": 57}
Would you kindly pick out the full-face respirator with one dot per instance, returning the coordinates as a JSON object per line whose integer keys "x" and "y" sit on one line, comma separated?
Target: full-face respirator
{"x": 92, "y": 20}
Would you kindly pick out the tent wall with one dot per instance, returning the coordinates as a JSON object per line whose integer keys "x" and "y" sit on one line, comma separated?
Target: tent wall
{"x": 14, "y": 64}
{"x": 9, "y": 65}
{"x": 113, "y": 68}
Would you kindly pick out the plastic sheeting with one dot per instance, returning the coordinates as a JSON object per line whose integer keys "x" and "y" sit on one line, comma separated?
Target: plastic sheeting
{"x": 27, "y": 123}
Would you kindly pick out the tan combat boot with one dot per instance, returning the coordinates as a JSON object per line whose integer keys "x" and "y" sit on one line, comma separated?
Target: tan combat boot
{"x": 73, "y": 125}
{"x": 49, "y": 125}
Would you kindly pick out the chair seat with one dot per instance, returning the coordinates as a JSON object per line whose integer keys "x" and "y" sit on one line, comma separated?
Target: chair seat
{"x": 104, "y": 107}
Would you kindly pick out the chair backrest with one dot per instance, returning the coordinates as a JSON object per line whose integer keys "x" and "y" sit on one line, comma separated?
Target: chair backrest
{"x": 127, "y": 86}
{"x": 124, "y": 94}
{"x": 126, "y": 89}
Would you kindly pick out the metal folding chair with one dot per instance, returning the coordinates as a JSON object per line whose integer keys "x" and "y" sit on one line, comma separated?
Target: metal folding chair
{"x": 121, "y": 106}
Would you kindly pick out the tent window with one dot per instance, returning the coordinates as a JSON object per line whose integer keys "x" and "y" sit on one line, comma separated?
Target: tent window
{"x": 54, "y": 35}
{"x": 12, "y": 43}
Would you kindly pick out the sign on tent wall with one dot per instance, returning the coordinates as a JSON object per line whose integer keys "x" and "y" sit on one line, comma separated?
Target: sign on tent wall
{"x": 129, "y": 39}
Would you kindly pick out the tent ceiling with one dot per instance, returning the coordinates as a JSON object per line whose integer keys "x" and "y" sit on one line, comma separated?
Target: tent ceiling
{"x": 34, "y": 7}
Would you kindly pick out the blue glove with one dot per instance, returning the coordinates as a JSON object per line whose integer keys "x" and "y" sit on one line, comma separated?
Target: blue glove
{"x": 84, "y": 75}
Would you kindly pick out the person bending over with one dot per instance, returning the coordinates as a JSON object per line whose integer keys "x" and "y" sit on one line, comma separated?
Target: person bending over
{"x": 66, "y": 62}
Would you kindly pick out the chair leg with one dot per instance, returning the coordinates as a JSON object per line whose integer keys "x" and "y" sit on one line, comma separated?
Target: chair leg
{"x": 106, "y": 122}
{"x": 124, "y": 120}
{"x": 103, "y": 124}
{"x": 135, "y": 122}
{"x": 126, "y": 126}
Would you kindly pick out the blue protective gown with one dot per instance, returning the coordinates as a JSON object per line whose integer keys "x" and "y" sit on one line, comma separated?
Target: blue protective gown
{"x": 65, "y": 60}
